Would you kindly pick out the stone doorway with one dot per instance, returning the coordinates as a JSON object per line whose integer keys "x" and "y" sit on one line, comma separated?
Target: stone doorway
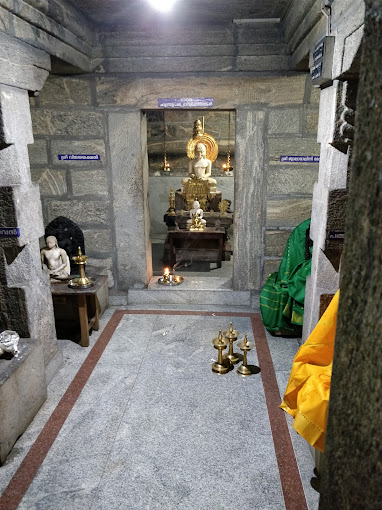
{"x": 168, "y": 132}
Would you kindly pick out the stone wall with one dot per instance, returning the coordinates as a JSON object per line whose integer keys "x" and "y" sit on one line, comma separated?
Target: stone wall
{"x": 176, "y": 49}
{"x": 344, "y": 21}
{"x": 66, "y": 121}
{"x": 53, "y": 26}
{"x": 71, "y": 116}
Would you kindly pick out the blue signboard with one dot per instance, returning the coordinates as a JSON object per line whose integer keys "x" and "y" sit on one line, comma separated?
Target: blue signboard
{"x": 185, "y": 102}
{"x": 9, "y": 232}
{"x": 300, "y": 159}
{"x": 78, "y": 157}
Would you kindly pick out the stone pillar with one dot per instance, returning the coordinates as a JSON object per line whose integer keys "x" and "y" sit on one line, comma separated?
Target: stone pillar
{"x": 249, "y": 182}
{"x": 352, "y": 467}
{"x": 329, "y": 199}
{"x": 129, "y": 170}
{"x": 25, "y": 298}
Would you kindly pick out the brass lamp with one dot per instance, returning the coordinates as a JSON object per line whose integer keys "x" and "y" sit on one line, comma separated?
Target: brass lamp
{"x": 82, "y": 282}
{"x": 166, "y": 165}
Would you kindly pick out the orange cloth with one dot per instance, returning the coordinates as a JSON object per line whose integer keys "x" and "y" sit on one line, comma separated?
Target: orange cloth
{"x": 307, "y": 394}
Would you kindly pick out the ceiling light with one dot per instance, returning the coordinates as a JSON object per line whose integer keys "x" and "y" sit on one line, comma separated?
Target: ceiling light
{"x": 162, "y": 5}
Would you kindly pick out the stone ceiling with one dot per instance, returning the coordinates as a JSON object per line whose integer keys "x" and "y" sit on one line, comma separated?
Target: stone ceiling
{"x": 184, "y": 11}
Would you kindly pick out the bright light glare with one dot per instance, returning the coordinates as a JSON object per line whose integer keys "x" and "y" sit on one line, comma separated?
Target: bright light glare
{"x": 162, "y": 5}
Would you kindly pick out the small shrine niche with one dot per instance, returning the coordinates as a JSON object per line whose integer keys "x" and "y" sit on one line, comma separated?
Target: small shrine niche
{"x": 191, "y": 167}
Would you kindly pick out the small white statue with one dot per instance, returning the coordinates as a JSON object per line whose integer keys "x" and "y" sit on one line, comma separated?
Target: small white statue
{"x": 8, "y": 342}
{"x": 196, "y": 213}
{"x": 55, "y": 260}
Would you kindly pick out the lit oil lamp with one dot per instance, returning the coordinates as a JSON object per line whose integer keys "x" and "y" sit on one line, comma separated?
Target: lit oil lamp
{"x": 169, "y": 279}
{"x": 166, "y": 274}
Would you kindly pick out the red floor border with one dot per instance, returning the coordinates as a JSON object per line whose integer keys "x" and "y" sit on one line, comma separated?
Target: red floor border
{"x": 289, "y": 475}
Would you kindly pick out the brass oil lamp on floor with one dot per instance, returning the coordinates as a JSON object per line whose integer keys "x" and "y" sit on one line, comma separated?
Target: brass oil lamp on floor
{"x": 221, "y": 366}
{"x": 231, "y": 335}
{"x": 245, "y": 346}
{"x": 82, "y": 282}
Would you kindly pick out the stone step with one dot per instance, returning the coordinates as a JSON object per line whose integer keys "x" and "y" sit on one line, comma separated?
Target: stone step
{"x": 174, "y": 296}
{"x": 194, "y": 290}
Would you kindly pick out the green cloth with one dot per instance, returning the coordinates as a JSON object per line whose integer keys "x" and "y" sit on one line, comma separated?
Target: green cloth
{"x": 282, "y": 297}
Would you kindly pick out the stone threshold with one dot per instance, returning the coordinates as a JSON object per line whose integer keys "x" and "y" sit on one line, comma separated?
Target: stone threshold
{"x": 194, "y": 290}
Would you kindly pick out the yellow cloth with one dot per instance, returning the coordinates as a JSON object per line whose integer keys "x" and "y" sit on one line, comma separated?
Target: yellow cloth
{"x": 307, "y": 394}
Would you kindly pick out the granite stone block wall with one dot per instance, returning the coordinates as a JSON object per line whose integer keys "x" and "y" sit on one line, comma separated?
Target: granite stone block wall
{"x": 291, "y": 131}
{"x": 74, "y": 115}
{"x": 66, "y": 120}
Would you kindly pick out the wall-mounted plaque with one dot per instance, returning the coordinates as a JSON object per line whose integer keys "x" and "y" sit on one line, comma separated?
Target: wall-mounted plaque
{"x": 9, "y": 232}
{"x": 321, "y": 61}
{"x": 185, "y": 102}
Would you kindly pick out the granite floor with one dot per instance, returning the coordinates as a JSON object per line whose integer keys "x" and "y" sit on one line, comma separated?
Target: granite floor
{"x": 139, "y": 421}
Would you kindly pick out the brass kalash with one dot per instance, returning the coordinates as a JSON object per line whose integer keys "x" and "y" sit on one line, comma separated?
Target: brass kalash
{"x": 82, "y": 282}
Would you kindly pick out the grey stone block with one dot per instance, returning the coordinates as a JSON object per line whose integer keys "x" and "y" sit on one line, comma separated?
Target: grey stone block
{"x": 72, "y": 123}
{"x": 71, "y": 18}
{"x": 77, "y": 147}
{"x": 275, "y": 242}
{"x": 22, "y": 392}
{"x": 14, "y": 164}
{"x": 86, "y": 213}
{"x": 319, "y": 215}
{"x": 101, "y": 266}
{"x": 270, "y": 266}
{"x": 194, "y": 50}
{"x": 38, "y": 38}
{"x": 263, "y": 63}
{"x": 248, "y": 210}
{"x": 169, "y": 65}
{"x": 333, "y": 167}
{"x": 15, "y": 116}
{"x": 97, "y": 241}
{"x": 17, "y": 52}
{"x": 89, "y": 182}
{"x": 291, "y": 147}
{"x": 327, "y": 112}
{"x": 129, "y": 166}
{"x": 172, "y": 36}
{"x": 26, "y": 77}
{"x": 261, "y": 49}
{"x": 284, "y": 181}
{"x": 310, "y": 121}
{"x": 347, "y": 19}
{"x": 38, "y": 153}
{"x": 51, "y": 182}
{"x": 65, "y": 91}
{"x": 352, "y": 45}
{"x": 21, "y": 207}
{"x": 228, "y": 92}
{"x": 256, "y": 33}
{"x": 289, "y": 212}
{"x": 286, "y": 121}
{"x": 37, "y": 19}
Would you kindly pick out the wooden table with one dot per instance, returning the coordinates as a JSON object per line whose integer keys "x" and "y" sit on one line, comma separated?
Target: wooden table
{"x": 191, "y": 240}
{"x": 88, "y": 312}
